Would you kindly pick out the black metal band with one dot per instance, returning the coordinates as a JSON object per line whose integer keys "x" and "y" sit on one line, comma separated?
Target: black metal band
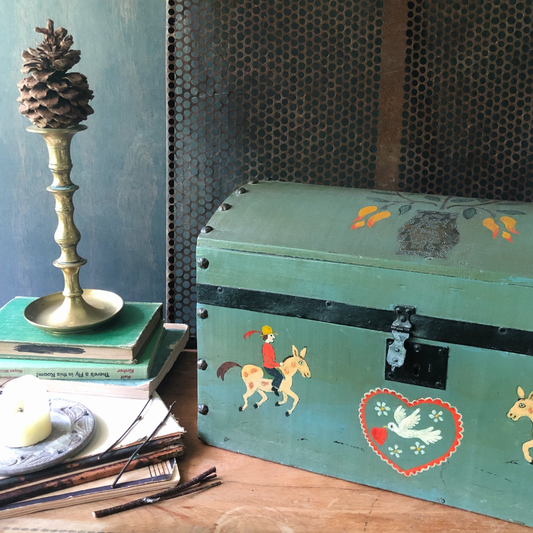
{"x": 424, "y": 327}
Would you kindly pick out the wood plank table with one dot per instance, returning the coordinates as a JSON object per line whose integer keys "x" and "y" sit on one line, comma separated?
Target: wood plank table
{"x": 258, "y": 496}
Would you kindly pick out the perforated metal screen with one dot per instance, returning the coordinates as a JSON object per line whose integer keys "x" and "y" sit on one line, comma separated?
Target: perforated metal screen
{"x": 422, "y": 96}
{"x": 468, "y": 91}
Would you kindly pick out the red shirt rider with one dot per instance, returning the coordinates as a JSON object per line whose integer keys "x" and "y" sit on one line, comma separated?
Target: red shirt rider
{"x": 269, "y": 356}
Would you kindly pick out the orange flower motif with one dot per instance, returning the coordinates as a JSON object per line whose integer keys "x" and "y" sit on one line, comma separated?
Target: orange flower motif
{"x": 363, "y": 212}
{"x": 509, "y": 224}
{"x": 359, "y": 224}
{"x": 490, "y": 224}
{"x": 377, "y": 217}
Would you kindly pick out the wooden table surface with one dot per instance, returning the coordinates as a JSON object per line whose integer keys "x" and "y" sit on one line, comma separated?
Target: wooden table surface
{"x": 258, "y": 496}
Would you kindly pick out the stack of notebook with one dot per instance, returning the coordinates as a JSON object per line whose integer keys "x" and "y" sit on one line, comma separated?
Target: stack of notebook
{"x": 89, "y": 476}
{"x": 128, "y": 357}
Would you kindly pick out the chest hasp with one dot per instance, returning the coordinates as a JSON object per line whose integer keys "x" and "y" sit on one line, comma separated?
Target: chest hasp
{"x": 415, "y": 363}
{"x": 401, "y": 329}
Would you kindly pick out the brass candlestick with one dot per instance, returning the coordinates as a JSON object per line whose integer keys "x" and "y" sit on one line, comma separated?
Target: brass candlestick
{"x": 74, "y": 309}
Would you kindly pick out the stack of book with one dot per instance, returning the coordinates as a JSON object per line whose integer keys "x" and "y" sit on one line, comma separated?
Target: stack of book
{"x": 127, "y": 358}
{"x": 113, "y": 371}
{"x": 89, "y": 477}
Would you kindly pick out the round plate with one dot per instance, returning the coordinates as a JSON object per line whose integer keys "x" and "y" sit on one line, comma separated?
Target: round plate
{"x": 73, "y": 426}
{"x": 93, "y": 309}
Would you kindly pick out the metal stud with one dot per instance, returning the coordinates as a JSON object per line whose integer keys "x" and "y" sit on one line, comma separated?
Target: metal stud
{"x": 201, "y": 364}
{"x": 224, "y": 207}
{"x": 241, "y": 190}
{"x": 203, "y": 409}
{"x": 202, "y": 313}
{"x": 203, "y": 262}
{"x": 207, "y": 229}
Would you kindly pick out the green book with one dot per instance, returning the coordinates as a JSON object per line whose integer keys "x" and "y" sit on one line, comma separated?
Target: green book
{"x": 172, "y": 343}
{"x": 119, "y": 341}
{"x": 75, "y": 370}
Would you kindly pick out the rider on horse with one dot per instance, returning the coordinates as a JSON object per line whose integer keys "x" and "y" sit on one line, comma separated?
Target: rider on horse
{"x": 270, "y": 365}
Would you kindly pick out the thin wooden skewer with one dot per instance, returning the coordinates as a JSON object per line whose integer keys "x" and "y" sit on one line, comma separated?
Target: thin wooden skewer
{"x": 138, "y": 450}
{"x": 174, "y": 492}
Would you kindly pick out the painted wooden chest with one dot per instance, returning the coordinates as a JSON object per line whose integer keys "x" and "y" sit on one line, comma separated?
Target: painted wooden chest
{"x": 380, "y": 337}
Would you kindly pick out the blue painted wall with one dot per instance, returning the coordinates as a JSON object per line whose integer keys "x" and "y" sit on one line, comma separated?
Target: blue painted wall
{"x": 119, "y": 161}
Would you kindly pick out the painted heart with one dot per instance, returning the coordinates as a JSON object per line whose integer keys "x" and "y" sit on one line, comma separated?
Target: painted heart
{"x": 379, "y": 435}
{"x": 410, "y": 436}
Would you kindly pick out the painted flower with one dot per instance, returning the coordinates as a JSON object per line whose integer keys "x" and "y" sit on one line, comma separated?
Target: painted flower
{"x": 363, "y": 212}
{"x": 418, "y": 448}
{"x": 436, "y": 417}
{"x": 508, "y": 222}
{"x": 395, "y": 451}
{"x": 382, "y": 409}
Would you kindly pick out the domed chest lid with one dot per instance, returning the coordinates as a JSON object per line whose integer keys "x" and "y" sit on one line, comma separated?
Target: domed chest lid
{"x": 469, "y": 238}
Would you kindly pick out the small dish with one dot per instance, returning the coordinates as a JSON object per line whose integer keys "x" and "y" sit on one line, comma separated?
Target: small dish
{"x": 73, "y": 426}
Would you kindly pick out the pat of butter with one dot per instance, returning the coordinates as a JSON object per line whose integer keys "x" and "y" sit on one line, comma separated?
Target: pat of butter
{"x": 24, "y": 412}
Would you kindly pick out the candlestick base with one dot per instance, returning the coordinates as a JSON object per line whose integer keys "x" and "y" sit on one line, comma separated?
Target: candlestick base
{"x": 73, "y": 427}
{"x": 58, "y": 314}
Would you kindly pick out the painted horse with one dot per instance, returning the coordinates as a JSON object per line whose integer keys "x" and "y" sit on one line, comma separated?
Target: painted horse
{"x": 254, "y": 380}
{"x": 523, "y": 407}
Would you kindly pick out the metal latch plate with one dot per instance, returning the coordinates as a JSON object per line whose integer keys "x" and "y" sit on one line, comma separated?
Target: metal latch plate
{"x": 425, "y": 365}
{"x": 401, "y": 329}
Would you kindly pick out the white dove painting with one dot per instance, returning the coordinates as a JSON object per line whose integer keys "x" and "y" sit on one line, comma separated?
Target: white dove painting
{"x": 411, "y": 436}
{"x": 404, "y": 427}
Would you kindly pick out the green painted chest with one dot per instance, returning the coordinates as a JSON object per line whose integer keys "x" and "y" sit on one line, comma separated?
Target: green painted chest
{"x": 380, "y": 337}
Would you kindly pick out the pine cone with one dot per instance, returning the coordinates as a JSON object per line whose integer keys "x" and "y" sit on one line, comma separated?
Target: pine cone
{"x": 50, "y": 97}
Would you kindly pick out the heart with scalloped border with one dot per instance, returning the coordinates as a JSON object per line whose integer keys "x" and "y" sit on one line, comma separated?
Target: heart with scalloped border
{"x": 411, "y": 436}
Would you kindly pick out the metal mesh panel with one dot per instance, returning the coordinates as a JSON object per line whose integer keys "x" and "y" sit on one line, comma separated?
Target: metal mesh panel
{"x": 423, "y": 96}
{"x": 467, "y": 113}
{"x": 264, "y": 89}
